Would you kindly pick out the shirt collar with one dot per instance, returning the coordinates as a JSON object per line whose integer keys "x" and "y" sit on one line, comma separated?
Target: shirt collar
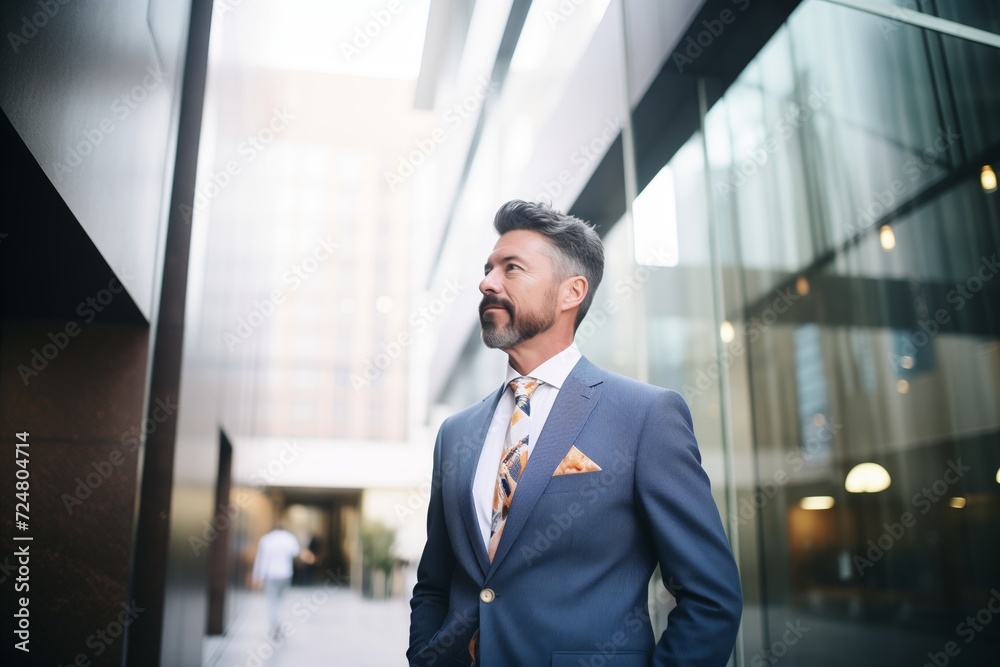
{"x": 553, "y": 370}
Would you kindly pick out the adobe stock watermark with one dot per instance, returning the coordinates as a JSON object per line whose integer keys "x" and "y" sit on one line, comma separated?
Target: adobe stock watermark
{"x": 598, "y": 484}
{"x": 562, "y": 12}
{"x": 794, "y": 632}
{"x": 222, "y": 7}
{"x": 7, "y": 569}
{"x": 454, "y": 116}
{"x": 582, "y": 157}
{"x": 785, "y": 298}
{"x": 419, "y": 321}
{"x": 30, "y": 25}
{"x": 929, "y": 327}
{"x": 924, "y": 500}
{"x": 264, "y": 309}
{"x": 365, "y": 34}
{"x": 624, "y": 289}
{"x": 248, "y": 150}
{"x": 103, "y": 638}
{"x": 418, "y": 498}
{"x": 415, "y": 500}
{"x": 904, "y": 12}
{"x": 794, "y": 118}
{"x": 103, "y": 468}
{"x": 225, "y": 516}
{"x": 911, "y": 172}
{"x": 121, "y": 108}
{"x": 227, "y": 513}
{"x": 88, "y": 309}
{"x": 636, "y": 620}
{"x": 456, "y": 628}
{"x": 269, "y": 474}
{"x": 302, "y": 610}
{"x": 967, "y": 630}
{"x": 795, "y": 460}
{"x": 694, "y": 47}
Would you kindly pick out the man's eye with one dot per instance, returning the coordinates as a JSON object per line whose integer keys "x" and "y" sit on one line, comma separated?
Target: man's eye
{"x": 511, "y": 267}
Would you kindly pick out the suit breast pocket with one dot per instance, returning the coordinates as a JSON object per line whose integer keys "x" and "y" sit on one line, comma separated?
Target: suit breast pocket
{"x": 581, "y": 483}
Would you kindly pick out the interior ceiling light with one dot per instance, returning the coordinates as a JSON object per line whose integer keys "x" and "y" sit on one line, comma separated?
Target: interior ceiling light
{"x": 988, "y": 179}
{"x": 887, "y": 237}
{"x": 817, "y": 502}
{"x": 726, "y": 332}
{"x": 867, "y": 478}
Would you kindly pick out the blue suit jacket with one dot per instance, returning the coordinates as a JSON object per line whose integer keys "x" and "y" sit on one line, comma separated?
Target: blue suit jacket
{"x": 568, "y": 584}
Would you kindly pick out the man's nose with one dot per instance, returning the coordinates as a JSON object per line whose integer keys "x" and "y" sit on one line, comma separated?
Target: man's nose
{"x": 490, "y": 283}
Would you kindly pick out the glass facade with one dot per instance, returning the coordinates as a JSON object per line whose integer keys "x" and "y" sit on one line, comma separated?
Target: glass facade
{"x": 815, "y": 270}
{"x": 857, "y": 246}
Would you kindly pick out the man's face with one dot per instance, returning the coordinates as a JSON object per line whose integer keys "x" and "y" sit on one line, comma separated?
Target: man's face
{"x": 520, "y": 290}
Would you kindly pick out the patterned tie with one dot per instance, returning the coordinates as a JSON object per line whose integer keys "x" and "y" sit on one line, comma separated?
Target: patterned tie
{"x": 515, "y": 457}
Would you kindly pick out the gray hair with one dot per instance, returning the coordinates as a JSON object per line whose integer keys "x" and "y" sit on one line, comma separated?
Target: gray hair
{"x": 577, "y": 249}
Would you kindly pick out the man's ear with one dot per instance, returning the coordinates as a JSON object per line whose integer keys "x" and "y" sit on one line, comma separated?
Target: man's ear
{"x": 573, "y": 292}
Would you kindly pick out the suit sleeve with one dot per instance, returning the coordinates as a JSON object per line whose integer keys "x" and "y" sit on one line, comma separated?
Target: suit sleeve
{"x": 429, "y": 605}
{"x": 674, "y": 495}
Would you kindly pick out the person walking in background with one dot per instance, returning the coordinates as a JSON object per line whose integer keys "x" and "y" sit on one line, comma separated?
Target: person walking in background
{"x": 273, "y": 568}
{"x": 306, "y": 574}
{"x": 554, "y": 498}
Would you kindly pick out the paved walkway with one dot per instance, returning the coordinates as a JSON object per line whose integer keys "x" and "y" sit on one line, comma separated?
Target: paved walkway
{"x": 329, "y": 626}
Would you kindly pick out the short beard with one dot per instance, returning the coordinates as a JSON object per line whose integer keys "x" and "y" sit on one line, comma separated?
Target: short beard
{"x": 516, "y": 331}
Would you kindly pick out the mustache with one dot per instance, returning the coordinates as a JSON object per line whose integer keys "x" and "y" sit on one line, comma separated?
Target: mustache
{"x": 493, "y": 300}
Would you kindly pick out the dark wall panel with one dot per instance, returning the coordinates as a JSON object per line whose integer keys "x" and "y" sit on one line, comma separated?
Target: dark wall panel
{"x": 92, "y": 89}
{"x": 81, "y": 413}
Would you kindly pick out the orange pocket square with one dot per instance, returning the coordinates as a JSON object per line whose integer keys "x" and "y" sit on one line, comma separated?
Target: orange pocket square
{"x": 575, "y": 461}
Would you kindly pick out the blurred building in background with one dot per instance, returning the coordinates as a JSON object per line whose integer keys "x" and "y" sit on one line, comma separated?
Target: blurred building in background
{"x": 240, "y": 273}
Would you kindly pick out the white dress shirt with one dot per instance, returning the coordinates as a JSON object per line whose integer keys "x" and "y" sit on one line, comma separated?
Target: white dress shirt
{"x": 275, "y": 553}
{"x": 552, "y": 373}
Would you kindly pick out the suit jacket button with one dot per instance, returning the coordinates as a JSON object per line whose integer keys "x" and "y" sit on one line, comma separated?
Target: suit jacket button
{"x": 487, "y": 595}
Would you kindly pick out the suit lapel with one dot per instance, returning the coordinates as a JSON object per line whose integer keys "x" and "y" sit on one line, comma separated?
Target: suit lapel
{"x": 480, "y": 424}
{"x": 572, "y": 407}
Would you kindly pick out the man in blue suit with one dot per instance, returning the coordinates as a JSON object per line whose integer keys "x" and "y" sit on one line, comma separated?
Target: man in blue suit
{"x": 554, "y": 498}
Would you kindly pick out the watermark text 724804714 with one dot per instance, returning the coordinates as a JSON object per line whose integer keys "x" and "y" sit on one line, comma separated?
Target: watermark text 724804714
{"x": 22, "y": 506}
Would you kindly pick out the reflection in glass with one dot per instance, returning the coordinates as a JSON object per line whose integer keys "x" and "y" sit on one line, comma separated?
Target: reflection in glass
{"x": 654, "y": 215}
{"x": 988, "y": 179}
{"x": 847, "y": 166}
{"x": 867, "y": 478}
